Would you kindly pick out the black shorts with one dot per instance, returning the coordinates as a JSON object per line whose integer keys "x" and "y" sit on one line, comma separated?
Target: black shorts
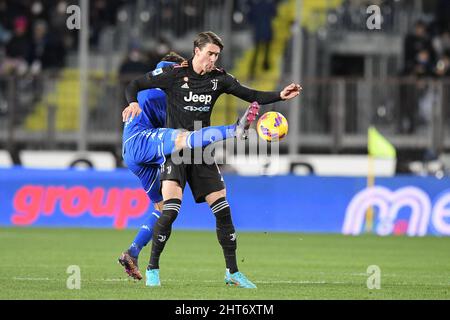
{"x": 202, "y": 178}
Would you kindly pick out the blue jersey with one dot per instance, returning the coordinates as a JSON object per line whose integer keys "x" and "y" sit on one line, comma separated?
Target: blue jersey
{"x": 146, "y": 141}
{"x": 143, "y": 139}
{"x": 153, "y": 103}
{"x": 153, "y": 115}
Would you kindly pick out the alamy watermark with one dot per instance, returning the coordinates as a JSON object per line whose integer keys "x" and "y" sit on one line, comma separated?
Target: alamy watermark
{"x": 375, "y": 19}
{"x": 374, "y": 279}
{"x": 74, "y": 280}
{"x": 73, "y": 22}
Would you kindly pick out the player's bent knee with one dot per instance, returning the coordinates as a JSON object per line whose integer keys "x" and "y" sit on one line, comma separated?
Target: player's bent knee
{"x": 171, "y": 190}
{"x": 214, "y": 196}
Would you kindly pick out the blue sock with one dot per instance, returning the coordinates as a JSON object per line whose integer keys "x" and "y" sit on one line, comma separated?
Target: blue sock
{"x": 144, "y": 235}
{"x": 208, "y": 135}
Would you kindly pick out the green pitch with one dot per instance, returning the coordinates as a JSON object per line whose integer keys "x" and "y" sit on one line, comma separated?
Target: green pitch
{"x": 283, "y": 265}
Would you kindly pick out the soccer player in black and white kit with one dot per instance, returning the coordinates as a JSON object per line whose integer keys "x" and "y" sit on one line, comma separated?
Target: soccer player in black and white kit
{"x": 191, "y": 93}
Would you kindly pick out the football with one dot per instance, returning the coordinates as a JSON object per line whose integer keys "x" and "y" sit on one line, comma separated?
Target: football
{"x": 272, "y": 126}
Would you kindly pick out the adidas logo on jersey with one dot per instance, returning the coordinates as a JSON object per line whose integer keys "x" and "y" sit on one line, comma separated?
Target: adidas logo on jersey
{"x": 185, "y": 86}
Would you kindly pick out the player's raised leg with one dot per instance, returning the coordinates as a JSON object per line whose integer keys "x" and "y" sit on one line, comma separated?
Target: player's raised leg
{"x": 206, "y": 136}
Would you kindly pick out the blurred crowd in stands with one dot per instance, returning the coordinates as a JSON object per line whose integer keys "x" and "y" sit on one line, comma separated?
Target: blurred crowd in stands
{"x": 426, "y": 54}
{"x": 427, "y": 51}
{"x": 34, "y": 36}
{"x": 183, "y": 16}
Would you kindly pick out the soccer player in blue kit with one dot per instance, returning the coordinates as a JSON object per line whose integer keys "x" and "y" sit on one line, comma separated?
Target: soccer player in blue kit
{"x": 146, "y": 143}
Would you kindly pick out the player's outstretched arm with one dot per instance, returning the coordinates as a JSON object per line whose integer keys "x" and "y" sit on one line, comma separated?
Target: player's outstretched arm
{"x": 263, "y": 97}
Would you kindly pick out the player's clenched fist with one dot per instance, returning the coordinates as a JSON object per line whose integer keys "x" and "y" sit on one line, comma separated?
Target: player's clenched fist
{"x": 132, "y": 111}
{"x": 291, "y": 91}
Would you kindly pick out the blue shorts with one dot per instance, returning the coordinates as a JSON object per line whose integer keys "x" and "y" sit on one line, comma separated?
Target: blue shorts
{"x": 144, "y": 153}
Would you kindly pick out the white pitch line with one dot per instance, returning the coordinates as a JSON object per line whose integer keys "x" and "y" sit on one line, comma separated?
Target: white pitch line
{"x": 32, "y": 279}
{"x": 111, "y": 280}
{"x": 219, "y": 281}
{"x": 292, "y": 282}
{"x": 178, "y": 280}
{"x": 303, "y": 282}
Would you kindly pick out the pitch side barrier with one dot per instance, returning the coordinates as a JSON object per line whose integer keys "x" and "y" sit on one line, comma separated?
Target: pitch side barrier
{"x": 406, "y": 205}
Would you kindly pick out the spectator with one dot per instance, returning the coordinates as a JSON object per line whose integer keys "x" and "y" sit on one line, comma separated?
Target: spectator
{"x": 48, "y": 51}
{"x": 423, "y": 65}
{"x": 102, "y": 14}
{"x": 10, "y": 11}
{"x": 18, "y": 48}
{"x": 419, "y": 62}
{"x": 132, "y": 66}
{"x": 415, "y": 42}
{"x": 261, "y": 13}
{"x": 161, "y": 49}
{"x": 39, "y": 10}
{"x": 134, "y": 63}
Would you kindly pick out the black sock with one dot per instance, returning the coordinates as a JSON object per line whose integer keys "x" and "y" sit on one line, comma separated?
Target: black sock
{"x": 226, "y": 233}
{"x": 162, "y": 230}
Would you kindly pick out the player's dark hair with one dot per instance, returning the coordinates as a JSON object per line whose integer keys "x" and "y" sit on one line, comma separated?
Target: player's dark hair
{"x": 173, "y": 57}
{"x": 203, "y": 38}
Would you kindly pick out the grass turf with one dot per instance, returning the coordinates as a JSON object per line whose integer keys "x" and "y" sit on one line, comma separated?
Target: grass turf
{"x": 282, "y": 265}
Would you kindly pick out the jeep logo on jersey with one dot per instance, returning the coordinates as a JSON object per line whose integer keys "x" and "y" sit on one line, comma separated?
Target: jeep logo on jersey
{"x": 205, "y": 98}
{"x": 201, "y": 109}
